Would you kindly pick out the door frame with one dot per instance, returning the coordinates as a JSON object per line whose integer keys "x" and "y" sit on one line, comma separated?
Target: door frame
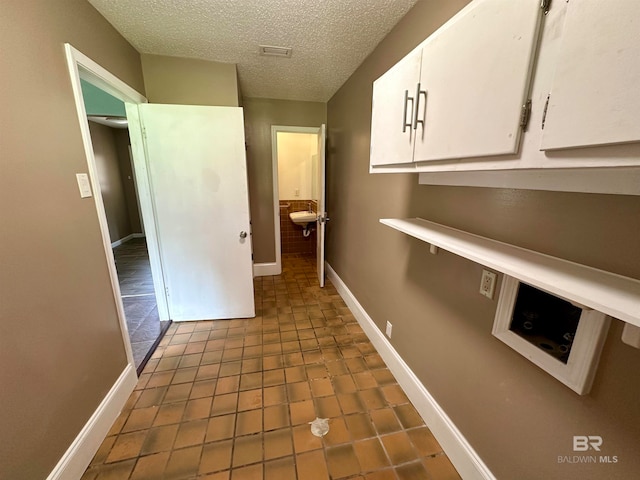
{"x": 277, "y": 266}
{"x": 81, "y": 66}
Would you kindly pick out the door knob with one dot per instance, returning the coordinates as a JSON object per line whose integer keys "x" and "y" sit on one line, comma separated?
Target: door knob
{"x": 243, "y": 234}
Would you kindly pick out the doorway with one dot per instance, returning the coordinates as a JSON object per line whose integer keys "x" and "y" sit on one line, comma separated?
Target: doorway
{"x": 298, "y": 186}
{"x": 111, "y": 151}
{"x": 105, "y": 178}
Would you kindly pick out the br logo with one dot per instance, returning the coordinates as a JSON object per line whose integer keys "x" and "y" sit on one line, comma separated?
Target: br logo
{"x": 582, "y": 443}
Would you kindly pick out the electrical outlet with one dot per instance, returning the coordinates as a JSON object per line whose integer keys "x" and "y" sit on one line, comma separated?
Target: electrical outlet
{"x": 488, "y": 283}
{"x": 388, "y": 329}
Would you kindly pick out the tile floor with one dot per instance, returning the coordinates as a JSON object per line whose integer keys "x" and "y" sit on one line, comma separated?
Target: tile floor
{"x": 138, "y": 298}
{"x": 232, "y": 399}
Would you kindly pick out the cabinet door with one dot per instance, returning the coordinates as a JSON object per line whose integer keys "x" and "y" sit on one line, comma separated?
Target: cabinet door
{"x": 392, "y": 134}
{"x": 595, "y": 98}
{"x": 475, "y": 74}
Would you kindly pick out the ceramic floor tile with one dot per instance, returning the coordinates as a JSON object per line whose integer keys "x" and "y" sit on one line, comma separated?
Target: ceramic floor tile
{"x": 274, "y": 395}
{"x": 408, "y": 416}
{"x": 304, "y": 440}
{"x": 247, "y": 450}
{"x": 139, "y": 419}
{"x": 278, "y": 443}
{"x": 385, "y": 421}
{"x": 220, "y": 428}
{"x": 253, "y": 472}
{"x": 276, "y": 417}
{"x": 191, "y": 433}
{"x": 312, "y": 466}
{"x": 412, "y": 471}
{"x": 150, "y": 467}
{"x": 371, "y": 454}
{"x": 183, "y": 463}
{"x": 327, "y": 407}
{"x": 342, "y": 461}
{"x": 250, "y": 399}
{"x": 440, "y": 467}
{"x": 159, "y": 439}
{"x": 424, "y": 441}
{"x": 215, "y": 457}
{"x": 126, "y": 446}
{"x": 281, "y": 469}
{"x": 249, "y": 422}
{"x": 338, "y": 433}
{"x": 399, "y": 448}
{"x": 302, "y": 412}
{"x": 232, "y": 399}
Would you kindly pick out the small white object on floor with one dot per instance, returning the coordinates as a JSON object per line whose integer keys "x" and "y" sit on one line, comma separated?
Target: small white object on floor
{"x": 320, "y": 426}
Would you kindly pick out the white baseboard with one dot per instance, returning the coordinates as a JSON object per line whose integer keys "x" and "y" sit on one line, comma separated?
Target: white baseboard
{"x": 461, "y": 454}
{"x": 79, "y": 454}
{"x": 117, "y": 243}
{"x": 266, "y": 269}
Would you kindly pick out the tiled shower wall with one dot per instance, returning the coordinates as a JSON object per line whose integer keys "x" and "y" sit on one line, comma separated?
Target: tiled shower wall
{"x": 291, "y": 237}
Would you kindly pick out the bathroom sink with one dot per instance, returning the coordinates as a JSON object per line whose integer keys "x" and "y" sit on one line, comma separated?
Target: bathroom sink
{"x": 303, "y": 218}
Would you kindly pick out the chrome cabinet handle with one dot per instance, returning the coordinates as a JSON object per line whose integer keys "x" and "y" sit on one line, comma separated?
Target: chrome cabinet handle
{"x": 404, "y": 115}
{"x": 415, "y": 118}
{"x": 243, "y": 234}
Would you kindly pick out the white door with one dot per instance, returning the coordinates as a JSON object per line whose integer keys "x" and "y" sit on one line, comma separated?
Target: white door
{"x": 198, "y": 175}
{"x": 322, "y": 214}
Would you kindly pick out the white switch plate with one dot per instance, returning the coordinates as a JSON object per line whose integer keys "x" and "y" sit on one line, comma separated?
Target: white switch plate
{"x": 488, "y": 283}
{"x": 84, "y": 185}
{"x": 388, "y": 329}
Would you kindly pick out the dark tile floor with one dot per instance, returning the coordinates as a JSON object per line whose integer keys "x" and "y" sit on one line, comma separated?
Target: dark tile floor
{"x": 138, "y": 298}
{"x": 232, "y": 399}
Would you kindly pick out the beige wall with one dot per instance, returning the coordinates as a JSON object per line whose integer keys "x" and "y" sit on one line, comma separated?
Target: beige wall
{"x": 259, "y": 115}
{"x": 295, "y": 165}
{"x": 517, "y": 417}
{"x": 122, "y": 142}
{"x": 188, "y": 81}
{"x": 110, "y": 177}
{"x": 61, "y": 348}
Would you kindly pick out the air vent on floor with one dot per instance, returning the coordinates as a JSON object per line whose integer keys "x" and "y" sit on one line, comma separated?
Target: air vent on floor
{"x": 270, "y": 51}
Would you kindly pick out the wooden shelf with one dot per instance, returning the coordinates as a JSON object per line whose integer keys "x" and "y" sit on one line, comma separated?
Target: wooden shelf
{"x": 606, "y": 292}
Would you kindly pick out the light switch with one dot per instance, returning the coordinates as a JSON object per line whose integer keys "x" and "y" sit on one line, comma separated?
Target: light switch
{"x": 84, "y": 185}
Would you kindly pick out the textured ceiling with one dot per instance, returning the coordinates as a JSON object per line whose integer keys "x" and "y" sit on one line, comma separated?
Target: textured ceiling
{"x": 330, "y": 38}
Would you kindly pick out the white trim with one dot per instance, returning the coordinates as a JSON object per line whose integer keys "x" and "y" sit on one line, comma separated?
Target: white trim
{"x": 79, "y": 454}
{"x": 82, "y": 66}
{"x": 131, "y": 236}
{"x": 266, "y": 269}
{"x": 276, "y": 194}
{"x": 624, "y": 181}
{"x": 579, "y": 371}
{"x": 76, "y": 61}
{"x": 457, "y": 448}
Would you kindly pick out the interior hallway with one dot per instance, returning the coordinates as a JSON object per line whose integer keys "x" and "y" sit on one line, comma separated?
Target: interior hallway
{"x": 138, "y": 297}
{"x": 232, "y": 399}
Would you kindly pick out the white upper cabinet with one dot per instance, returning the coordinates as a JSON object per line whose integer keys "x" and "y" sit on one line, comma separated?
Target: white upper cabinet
{"x": 475, "y": 73}
{"x": 392, "y": 112}
{"x": 458, "y": 119}
{"x": 595, "y": 96}
{"x": 460, "y": 93}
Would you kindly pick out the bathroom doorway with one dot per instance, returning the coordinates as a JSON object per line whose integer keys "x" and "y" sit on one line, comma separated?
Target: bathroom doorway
{"x": 298, "y": 173}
